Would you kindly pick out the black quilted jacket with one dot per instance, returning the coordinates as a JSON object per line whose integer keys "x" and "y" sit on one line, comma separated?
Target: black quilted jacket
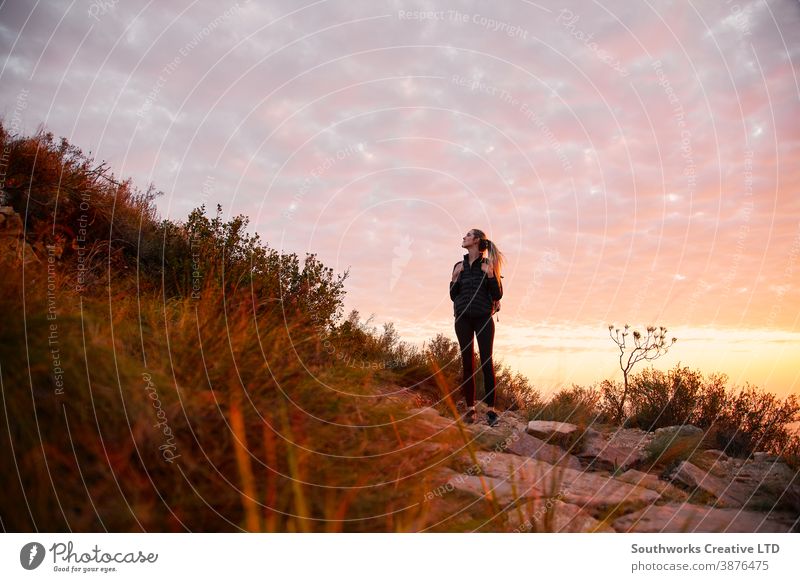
{"x": 473, "y": 292}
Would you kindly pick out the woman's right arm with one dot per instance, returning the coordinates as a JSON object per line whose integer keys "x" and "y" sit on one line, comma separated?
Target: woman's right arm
{"x": 455, "y": 283}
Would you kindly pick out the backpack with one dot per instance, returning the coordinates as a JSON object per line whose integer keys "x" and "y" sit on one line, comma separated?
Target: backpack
{"x": 496, "y": 303}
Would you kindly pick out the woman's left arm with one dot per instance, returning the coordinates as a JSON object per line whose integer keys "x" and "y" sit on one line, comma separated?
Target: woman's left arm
{"x": 495, "y": 287}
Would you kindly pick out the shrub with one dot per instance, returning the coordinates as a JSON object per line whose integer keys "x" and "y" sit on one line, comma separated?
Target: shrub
{"x": 577, "y": 405}
{"x": 445, "y": 353}
{"x": 667, "y": 450}
{"x": 743, "y": 420}
{"x": 658, "y": 399}
{"x": 610, "y": 401}
{"x": 711, "y": 400}
{"x": 516, "y": 391}
{"x": 753, "y": 420}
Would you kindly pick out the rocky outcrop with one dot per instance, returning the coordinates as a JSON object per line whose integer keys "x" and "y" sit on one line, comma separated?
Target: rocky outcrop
{"x": 753, "y": 483}
{"x": 499, "y": 490}
{"x": 677, "y": 431}
{"x": 582, "y": 488}
{"x": 667, "y": 491}
{"x": 631, "y": 439}
{"x": 530, "y": 481}
{"x": 673, "y": 433}
{"x": 685, "y": 517}
{"x": 553, "y": 432}
{"x": 553, "y": 516}
{"x": 431, "y": 416}
{"x": 727, "y": 493}
{"x": 599, "y": 452}
{"x": 534, "y": 448}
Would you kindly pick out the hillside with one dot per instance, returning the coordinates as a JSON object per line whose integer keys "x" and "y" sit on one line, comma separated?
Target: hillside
{"x": 183, "y": 376}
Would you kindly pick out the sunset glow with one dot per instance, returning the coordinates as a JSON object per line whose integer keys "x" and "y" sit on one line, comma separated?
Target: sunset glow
{"x": 636, "y": 163}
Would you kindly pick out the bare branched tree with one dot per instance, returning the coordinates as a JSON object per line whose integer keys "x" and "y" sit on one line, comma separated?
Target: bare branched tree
{"x": 650, "y": 347}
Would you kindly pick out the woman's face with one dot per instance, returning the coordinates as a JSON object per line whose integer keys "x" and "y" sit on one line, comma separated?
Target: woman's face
{"x": 469, "y": 240}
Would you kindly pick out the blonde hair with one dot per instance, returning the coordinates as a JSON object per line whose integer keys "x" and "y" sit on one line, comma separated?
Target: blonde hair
{"x": 495, "y": 256}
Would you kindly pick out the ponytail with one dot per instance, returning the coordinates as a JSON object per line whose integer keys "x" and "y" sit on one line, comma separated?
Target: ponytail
{"x": 495, "y": 257}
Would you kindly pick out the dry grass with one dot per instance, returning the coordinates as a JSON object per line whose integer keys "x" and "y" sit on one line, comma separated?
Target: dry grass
{"x": 269, "y": 436}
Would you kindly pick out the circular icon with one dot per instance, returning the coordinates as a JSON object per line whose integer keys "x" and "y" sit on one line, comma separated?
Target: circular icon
{"x": 31, "y": 555}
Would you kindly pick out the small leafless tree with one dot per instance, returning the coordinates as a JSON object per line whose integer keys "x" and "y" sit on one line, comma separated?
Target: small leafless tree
{"x": 650, "y": 347}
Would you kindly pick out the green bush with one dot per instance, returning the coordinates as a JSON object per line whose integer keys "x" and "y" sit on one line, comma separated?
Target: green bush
{"x": 667, "y": 450}
{"x": 753, "y": 420}
{"x": 743, "y": 420}
{"x": 577, "y": 405}
{"x": 516, "y": 391}
{"x": 658, "y": 399}
{"x": 445, "y": 352}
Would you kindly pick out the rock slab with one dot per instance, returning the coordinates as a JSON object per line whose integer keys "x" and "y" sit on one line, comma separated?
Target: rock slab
{"x": 530, "y": 446}
{"x": 581, "y": 488}
{"x": 684, "y": 517}
{"x": 553, "y": 516}
{"x": 728, "y": 493}
{"x": 551, "y": 431}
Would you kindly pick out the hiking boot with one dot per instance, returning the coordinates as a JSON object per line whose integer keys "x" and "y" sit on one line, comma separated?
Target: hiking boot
{"x": 469, "y": 416}
{"x": 491, "y": 418}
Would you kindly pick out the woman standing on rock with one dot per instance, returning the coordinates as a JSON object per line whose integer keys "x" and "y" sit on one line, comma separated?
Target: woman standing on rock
{"x": 474, "y": 288}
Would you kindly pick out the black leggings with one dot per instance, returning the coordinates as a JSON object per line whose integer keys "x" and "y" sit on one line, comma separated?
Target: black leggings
{"x": 483, "y": 328}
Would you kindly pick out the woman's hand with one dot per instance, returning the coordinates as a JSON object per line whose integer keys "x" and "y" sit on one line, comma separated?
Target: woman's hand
{"x": 457, "y": 271}
{"x": 487, "y": 268}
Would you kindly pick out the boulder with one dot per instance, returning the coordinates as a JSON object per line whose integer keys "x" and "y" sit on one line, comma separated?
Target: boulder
{"x": 667, "y": 491}
{"x": 526, "y": 445}
{"x": 753, "y": 484}
{"x": 552, "y": 515}
{"x": 769, "y": 471}
{"x": 551, "y": 431}
{"x": 685, "y": 517}
{"x": 601, "y": 454}
{"x": 502, "y": 491}
{"x": 429, "y": 419}
{"x": 508, "y": 429}
{"x": 631, "y": 438}
{"x": 442, "y": 510}
{"x": 762, "y": 456}
{"x": 727, "y": 493}
{"x": 769, "y": 483}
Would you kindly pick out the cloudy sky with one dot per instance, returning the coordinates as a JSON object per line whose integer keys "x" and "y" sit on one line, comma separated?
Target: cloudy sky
{"x": 636, "y": 162}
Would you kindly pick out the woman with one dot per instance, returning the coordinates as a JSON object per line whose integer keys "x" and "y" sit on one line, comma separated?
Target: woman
{"x": 473, "y": 288}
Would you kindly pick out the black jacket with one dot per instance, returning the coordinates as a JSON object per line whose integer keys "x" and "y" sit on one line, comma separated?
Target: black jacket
{"x": 473, "y": 292}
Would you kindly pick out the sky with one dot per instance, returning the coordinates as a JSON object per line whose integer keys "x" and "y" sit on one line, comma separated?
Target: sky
{"x": 635, "y": 162}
